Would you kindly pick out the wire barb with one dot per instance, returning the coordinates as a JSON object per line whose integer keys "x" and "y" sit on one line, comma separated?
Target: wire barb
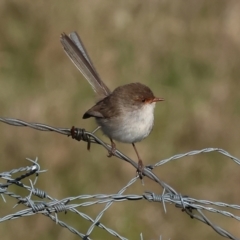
{"x": 80, "y": 134}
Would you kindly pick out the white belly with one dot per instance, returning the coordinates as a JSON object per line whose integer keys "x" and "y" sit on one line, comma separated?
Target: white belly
{"x": 131, "y": 127}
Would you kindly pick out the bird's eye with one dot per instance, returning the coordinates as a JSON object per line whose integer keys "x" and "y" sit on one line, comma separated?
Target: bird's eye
{"x": 144, "y": 100}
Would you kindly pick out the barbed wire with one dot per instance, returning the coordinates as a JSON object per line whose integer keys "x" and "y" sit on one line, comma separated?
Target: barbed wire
{"x": 50, "y": 207}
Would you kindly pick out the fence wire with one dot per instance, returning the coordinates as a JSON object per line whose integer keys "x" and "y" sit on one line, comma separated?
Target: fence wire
{"x": 50, "y": 207}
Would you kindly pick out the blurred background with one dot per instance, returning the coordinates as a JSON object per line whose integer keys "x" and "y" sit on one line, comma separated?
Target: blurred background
{"x": 186, "y": 51}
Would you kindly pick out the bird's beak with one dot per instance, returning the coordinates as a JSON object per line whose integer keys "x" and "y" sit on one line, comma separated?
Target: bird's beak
{"x": 156, "y": 99}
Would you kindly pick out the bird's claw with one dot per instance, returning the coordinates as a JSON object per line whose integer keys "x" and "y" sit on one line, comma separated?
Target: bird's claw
{"x": 112, "y": 151}
{"x": 140, "y": 169}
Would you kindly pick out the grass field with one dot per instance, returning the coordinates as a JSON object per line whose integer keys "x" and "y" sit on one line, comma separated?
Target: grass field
{"x": 186, "y": 51}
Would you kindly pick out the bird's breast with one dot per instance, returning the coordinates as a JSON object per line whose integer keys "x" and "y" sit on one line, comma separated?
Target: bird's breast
{"x": 129, "y": 126}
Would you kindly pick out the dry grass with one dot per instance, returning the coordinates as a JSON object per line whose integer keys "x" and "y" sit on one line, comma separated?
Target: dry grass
{"x": 187, "y": 51}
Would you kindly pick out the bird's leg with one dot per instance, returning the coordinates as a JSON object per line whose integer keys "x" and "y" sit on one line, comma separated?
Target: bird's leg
{"x": 113, "y": 150}
{"x": 140, "y": 163}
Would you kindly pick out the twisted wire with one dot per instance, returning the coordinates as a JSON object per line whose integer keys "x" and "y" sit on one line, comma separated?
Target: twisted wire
{"x": 50, "y": 207}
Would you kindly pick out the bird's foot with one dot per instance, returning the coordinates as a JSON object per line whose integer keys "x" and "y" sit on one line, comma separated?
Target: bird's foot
{"x": 140, "y": 169}
{"x": 113, "y": 149}
{"x": 111, "y": 152}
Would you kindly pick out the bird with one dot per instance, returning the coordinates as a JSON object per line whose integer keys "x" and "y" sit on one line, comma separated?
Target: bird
{"x": 126, "y": 114}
